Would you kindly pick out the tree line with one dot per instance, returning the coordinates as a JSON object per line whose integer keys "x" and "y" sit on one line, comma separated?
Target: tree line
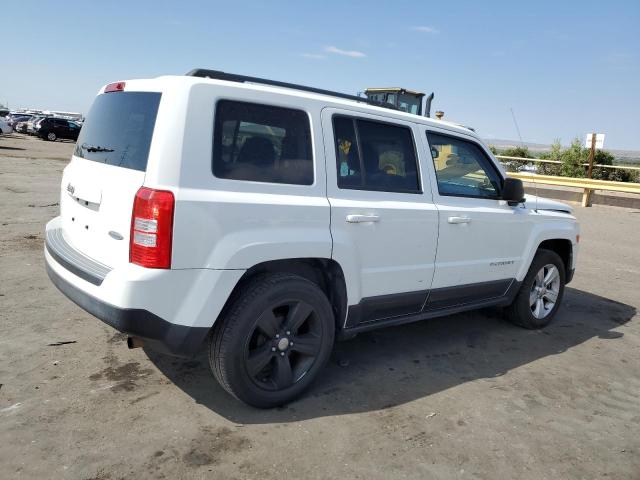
{"x": 572, "y": 157}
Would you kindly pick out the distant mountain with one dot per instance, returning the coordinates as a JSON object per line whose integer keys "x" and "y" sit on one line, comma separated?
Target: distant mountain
{"x": 624, "y": 156}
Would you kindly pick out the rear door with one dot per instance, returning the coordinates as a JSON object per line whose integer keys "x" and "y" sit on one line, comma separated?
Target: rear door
{"x": 482, "y": 239}
{"x": 107, "y": 169}
{"x": 74, "y": 130}
{"x": 383, "y": 221}
{"x": 61, "y": 128}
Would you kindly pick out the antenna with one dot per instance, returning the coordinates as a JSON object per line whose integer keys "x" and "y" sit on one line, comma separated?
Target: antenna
{"x": 513, "y": 115}
{"x": 515, "y": 122}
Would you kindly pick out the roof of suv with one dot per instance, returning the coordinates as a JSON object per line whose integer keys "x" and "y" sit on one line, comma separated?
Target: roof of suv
{"x": 327, "y": 98}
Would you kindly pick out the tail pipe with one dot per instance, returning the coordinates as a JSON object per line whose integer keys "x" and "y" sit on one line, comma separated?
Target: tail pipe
{"x": 427, "y": 105}
{"x": 134, "y": 342}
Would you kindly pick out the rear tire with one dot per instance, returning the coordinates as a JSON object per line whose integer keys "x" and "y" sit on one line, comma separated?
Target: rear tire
{"x": 541, "y": 292}
{"x": 275, "y": 337}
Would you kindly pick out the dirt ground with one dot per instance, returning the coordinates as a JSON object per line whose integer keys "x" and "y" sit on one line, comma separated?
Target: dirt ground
{"x": 466, "y": 396}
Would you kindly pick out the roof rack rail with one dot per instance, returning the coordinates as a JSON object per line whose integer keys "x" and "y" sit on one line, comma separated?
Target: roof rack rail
{"x": 232, "y": 77}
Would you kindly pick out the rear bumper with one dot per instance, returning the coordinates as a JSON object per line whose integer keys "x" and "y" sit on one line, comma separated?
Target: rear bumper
{"x": 158, "y": 333}
{"x": 173, "y": 310}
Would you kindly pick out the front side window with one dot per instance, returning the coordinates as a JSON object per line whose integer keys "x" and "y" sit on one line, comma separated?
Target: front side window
{"x": 462, "y": 168}
{"x": 375, "y": 156}
{"x": 262, "y": 143}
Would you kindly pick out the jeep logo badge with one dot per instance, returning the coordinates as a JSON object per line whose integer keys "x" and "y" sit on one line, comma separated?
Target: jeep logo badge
{"x": 71, "y": 188}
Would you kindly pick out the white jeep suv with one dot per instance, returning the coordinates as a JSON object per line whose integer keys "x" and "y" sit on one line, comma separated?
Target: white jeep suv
{"x": 263, "y": 220}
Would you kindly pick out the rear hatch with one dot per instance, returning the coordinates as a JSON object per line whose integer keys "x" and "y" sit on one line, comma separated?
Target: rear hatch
{"x": 107, "y": 169}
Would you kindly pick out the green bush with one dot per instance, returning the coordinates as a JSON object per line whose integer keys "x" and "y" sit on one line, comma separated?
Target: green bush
{"x": 513, "y": 165}
{"x": 603, "y": 157}
{"x": 554, "y": 154}
{"x": 573, "y": 159}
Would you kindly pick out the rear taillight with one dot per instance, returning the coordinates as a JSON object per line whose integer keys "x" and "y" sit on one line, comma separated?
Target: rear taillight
{"x": 151, "y": 228}
{"x": 114, "y": 87}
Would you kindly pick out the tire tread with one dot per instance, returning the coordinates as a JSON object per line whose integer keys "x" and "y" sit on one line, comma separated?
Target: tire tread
{"x": 515, "y": 312}
{"x": 230, "y": 320}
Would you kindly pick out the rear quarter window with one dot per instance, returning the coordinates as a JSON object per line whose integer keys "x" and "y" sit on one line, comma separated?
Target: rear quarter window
{"x": 262, "y": 143}
{"x": 118, "y": 129}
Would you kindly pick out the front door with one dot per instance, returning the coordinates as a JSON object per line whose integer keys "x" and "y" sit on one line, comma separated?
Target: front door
{"x": 482, "y": 239}
{"x": 383, "y": 221}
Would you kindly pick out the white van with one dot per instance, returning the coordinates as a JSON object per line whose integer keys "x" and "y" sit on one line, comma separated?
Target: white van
{"x": 262, "y": 220}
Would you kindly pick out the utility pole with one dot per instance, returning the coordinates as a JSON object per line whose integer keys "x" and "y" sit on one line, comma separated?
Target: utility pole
{"x": 592, "y": 155}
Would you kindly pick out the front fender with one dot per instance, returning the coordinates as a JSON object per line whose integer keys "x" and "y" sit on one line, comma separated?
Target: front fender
{"x": 551, "y": 226}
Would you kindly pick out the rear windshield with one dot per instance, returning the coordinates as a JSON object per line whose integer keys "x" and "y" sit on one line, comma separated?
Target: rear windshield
{"x": 118, "y": 129}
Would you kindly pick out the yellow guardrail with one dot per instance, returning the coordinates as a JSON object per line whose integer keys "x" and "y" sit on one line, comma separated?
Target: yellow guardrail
{"x": 541, "y": 160}
{"x": 587, "y": 184}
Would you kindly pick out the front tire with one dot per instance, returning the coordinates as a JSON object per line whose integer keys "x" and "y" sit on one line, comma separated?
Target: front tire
{"x": 541, "y": 292}
{"x": 274, "y": 339}
{"x": 51, "y": 137}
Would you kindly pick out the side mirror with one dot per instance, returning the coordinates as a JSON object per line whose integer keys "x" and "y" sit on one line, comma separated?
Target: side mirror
{"x": 513, "y": 191}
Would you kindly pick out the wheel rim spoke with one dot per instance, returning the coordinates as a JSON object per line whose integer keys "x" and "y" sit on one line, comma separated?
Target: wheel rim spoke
{"x": 268, "y": 323}
{"x": 551, "y": 297}
{"x": 533, "y": 296}
{"x": 297, "y": 315}
{"x": 284, "y": 344}
{"x": 551, "y": 276}
{"x": 283, "y": 374}
{"x": 545, "y": 291}
{"x": 259, "y": 358}
{"x": 537, "y": 312}
{"x": 306, "y": 344}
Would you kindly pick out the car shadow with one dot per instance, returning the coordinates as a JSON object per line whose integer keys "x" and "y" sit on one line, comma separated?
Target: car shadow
{"x": 396, "y": 365}
{"x": 2, "y": 147}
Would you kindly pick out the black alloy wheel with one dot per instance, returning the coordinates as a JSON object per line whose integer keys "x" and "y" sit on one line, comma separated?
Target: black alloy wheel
{"x": 272, "y": 340}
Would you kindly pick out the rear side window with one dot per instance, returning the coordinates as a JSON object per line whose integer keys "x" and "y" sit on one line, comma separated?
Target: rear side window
{"x": 262, "y": 143}
{"x": 375, "y": 156}
{"x": 119, "y": 128}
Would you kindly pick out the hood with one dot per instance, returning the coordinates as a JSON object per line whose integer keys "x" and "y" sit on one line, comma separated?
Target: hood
{"x": 542, "y": 203}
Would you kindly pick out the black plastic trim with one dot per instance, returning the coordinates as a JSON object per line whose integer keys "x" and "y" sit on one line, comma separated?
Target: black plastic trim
{"x": 233, "y": 77}
{"x": 381, "y": 307}
{"x": 569, "y": 275}
{"x": 504, "y": 300}
{"x": 462, "y": 294}
{"x": 159, "y": 334}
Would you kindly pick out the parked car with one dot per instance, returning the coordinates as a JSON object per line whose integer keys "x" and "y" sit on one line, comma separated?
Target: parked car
{"x": 21, "y": 127}
{"x": 53, "y": 128}
{"x": 263, "y": 221}
{"x": 15, "y": 118}
{"x": 32, "y": 124}
{"x": 5, "y": 127}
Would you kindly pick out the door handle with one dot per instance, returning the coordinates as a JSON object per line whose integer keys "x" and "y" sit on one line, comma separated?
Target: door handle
{"x": 459, "y": 220}
{"x": 362, "y": 218}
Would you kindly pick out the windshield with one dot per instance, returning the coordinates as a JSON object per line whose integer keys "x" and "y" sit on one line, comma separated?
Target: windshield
{"x": 118, "y": 129}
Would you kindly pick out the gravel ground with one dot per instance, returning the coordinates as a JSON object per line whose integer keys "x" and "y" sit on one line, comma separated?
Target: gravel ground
{"x": 466, "y": 396}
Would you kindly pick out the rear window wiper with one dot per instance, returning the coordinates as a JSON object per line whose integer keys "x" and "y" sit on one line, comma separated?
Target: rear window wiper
{"x": 91, "y": 148}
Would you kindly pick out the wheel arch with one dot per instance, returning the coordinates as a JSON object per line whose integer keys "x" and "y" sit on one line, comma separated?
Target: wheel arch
{"x": 324, "y": 272}
{"x": 564, "y": 249}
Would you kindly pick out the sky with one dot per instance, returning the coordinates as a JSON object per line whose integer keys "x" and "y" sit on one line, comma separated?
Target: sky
{"x": 565, "y": 67}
